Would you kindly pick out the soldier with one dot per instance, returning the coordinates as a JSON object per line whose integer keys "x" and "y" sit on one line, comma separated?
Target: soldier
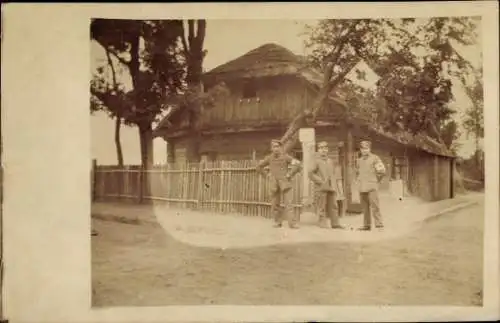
{"x": 369, "y": 172}
{"x": 281, "y": 186}
{"x": 322, "y": 173}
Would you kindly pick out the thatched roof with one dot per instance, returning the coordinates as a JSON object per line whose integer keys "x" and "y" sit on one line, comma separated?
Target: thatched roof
{"x": 266, "y": 60}
{"x": 273, "y": 60}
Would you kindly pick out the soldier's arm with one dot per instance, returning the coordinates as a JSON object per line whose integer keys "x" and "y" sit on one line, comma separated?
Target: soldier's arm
{"x": 356, "y": 167}
{"x": 313, "y": 173}
{"x": 260, "y": 166}
{"x": 295, "y": 164}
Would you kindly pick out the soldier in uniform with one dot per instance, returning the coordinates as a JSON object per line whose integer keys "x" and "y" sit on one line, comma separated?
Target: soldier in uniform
{"x": 323, "y": 174}
{"x": 369, "y": 172}
{"x": 280, "y": 175}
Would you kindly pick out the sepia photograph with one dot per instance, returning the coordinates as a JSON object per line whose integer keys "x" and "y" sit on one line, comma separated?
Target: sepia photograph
{"x": 250, "y": 162}
{"x": 287, "y": 162}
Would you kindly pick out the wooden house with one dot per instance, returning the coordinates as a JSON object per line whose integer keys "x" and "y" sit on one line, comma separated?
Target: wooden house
{"x": 269, "y": 86}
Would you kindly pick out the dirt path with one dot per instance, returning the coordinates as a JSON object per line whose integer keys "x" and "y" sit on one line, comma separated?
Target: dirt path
{"x": 440, "y": 264}
{"x": 235, "y": 231}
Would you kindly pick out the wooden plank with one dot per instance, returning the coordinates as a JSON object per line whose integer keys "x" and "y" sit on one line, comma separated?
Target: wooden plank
{"x": 93, "y": 179}
{"x": 435, "y": 178}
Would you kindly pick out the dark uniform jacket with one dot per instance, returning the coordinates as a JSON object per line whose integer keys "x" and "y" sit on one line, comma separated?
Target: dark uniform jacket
{"x": 323, "y": 174}
{"x": 279, "y": 169}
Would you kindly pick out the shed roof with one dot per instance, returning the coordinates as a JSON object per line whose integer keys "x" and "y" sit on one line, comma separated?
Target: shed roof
{"x": 273, "y": 60}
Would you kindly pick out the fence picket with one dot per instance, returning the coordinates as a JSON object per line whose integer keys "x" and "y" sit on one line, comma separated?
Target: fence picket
{"x": 220, "y": 186}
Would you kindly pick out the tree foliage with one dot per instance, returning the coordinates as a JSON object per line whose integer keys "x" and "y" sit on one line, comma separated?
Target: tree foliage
{"x": 105, "y": 97}
{"x": 474, "y": 117}
{"x": 163, "y": 65}
{"x": 156, "y": 68}
{"x": 450, "y": 133}
{"x": 414, "y": 58}
{"x": 331, "y": 59}
{"x": 149, "y": 51}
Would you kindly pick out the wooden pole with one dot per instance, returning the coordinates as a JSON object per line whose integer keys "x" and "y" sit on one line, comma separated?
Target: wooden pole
{"x": 307, "y": 139}
{"x": 350, "y": 165}
{"x": 141, "y": 184}
{"x": 436, "y": 179}
{"x": 94, "y": 179}
{"x": 201, "y": 182}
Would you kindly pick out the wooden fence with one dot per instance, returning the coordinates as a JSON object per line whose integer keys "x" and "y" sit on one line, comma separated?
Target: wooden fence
{"x": 219, "y": 186}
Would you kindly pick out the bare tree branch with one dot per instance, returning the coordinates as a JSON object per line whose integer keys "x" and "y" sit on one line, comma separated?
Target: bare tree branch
{"x": 114, "y": 53}
{"x": 191, "y": 32}
{"x": 113, "y": 72}
{"x": 185, "y": 46}
{"x": 290, "y": 137}
{"x": 200, "y": 34}
{"x": 335, "y": 55}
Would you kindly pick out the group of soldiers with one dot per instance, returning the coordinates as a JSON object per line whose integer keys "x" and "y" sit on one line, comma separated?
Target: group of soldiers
{"x": 281, "y": 168}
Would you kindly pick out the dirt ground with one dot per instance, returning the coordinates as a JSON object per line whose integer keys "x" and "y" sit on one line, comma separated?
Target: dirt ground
{"x": 440, "y": 264}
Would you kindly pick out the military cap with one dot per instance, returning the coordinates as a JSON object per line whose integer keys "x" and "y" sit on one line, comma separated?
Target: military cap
{"x": 276, "y": 141}
{"x": 365, "y": 144}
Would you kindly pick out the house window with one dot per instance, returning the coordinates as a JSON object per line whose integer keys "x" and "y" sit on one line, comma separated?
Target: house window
{"x": 249, "y": 90}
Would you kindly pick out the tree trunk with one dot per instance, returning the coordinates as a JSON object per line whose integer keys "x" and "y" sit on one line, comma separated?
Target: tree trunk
{"x": 194, "y": 153}
{"x": 147, "y": 158}
{"x": 193, "y": 49}
{"x": 118, "y": 120}
{"x": 330, "y": 82}
{"x": 146, "y": 142}
{"x": 305, "y": 118}
{"x": 145, "y": 127}
{"x": 118, "y": 144}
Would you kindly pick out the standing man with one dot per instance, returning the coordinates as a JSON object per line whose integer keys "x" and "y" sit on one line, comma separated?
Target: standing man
{"x": 369, "y": 172}
{"x": 322, "y": 173}
{"x": 281, "y": 187}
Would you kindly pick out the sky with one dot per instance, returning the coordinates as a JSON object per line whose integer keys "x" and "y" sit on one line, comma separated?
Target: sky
{"x": 226, "y": 40}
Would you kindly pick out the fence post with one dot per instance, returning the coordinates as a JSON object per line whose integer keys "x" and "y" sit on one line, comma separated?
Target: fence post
{"x": 259, "y": 190}
{"x": 201, "y": 185}
{"x": 220, "y": 206}
{"x": 435, "y": 177}
{"x": 306, "y": 137}
{"x": 141, "y": 184}
{"x": 93, "y": 178}
{"x": 126, "y": 175}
